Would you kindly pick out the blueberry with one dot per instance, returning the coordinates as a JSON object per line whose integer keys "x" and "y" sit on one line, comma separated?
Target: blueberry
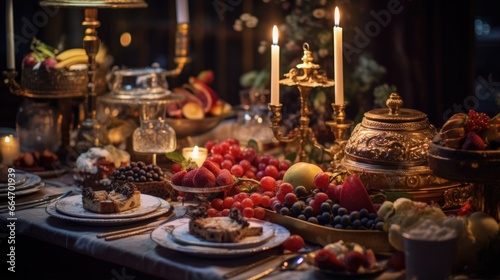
{"x": 356, "y": 224}
{"x": 342, "y": 211}
{"x": 326, "y": 207}
{"x": 338, "y": 226}
{"x": 337, "y": 219}
{"x": 345, "y": 220}
{"x": 301, "y": 217}
{"x": 313, "y": 220}
{"x": 379, "y": 226}
{"x": 363, "y": 213}
{"x": 335, "y": 208}
{"x": 354, "y": 215}
{"x": 372, "y": 216}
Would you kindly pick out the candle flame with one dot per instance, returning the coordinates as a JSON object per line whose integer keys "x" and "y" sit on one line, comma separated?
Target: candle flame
{"x": 7, "y": 139}
{"x": 195, "y": 152}
{"x": 337, "y": 16}
{"x": 275, "y": 35}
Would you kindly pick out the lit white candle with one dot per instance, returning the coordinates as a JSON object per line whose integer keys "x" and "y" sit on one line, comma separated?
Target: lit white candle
{"x": 337, "y": 57}
{"x": 9, "y": 31}
{"x": 196, "y": 154}
{"x": 275, "y": 69}
{"x": 9, "y": 149}
{"x": 182, "y": 11}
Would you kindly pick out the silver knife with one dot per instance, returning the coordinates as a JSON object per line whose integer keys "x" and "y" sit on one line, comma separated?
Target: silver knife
{"x": 34, "y": 203}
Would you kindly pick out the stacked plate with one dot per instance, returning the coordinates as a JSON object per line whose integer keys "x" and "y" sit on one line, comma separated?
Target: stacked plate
{"x": 71, "y": 209}
{"x": 24, "y": 183}
{"x": 175, "y": 235}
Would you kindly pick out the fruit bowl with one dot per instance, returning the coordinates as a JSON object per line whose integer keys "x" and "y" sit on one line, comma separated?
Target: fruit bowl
{"x": 464, "y": 165}
{"x": 186, "y": 127}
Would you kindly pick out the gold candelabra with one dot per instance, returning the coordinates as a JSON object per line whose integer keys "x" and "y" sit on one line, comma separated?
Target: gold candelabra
{"x": 310, "y": 77}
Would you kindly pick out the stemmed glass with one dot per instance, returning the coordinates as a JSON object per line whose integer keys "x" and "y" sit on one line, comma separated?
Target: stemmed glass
{"x": 154, "y": 135}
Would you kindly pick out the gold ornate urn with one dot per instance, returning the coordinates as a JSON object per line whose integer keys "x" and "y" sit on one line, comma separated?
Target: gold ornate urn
{"x": 388, "y": 151}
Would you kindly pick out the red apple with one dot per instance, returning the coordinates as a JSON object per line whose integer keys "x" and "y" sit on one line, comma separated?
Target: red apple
{"x": 30, "y": 60}
{"x": 49, "y": 63}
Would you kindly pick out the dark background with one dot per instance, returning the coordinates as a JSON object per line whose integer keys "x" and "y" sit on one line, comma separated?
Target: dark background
{"x": 437, "y": 53}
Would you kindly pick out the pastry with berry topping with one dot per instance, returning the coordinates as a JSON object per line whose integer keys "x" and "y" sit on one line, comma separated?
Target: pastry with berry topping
{"x": 122, "y": 197}
{"x": 97, "y": 165}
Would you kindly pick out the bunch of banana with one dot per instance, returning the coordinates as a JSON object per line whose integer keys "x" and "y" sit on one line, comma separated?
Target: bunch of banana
{"x": 70, "y": 57}
{"x": 453, "y": 131}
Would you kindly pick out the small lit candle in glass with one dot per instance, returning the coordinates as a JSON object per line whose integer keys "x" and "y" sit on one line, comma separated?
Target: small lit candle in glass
{"x": 196, "y": 154}
{"x": 9, "y": 149}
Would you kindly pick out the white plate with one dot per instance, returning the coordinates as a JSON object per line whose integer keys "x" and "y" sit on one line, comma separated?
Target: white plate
{"x": 23, "y": 179}
{"x": 51, "y": 210}
{"x": 73, "y": 206}
{"x": 181, "y": 234}
{"x": 31, "y": 189}
{"x": 18, "y": 180}
{"x": 164, "y": 238}
{"x": 50, "y": 173}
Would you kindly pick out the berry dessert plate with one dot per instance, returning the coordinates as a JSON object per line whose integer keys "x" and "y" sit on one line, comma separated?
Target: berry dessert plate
{"x": 181, "y": 234}
{"x": 380, "y": 267}
{"x": 73, "y": 206}
{"x": 163, "y": 237}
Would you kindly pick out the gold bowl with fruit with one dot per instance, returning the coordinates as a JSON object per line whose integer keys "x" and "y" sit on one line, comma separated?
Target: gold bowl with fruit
{"x": 467, "y": 150}
{"x": 202, "y": 109}
{"x": 50, "y": 73}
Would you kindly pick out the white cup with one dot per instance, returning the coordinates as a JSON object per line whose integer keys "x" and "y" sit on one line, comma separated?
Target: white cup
{"x": 429, "y": 259}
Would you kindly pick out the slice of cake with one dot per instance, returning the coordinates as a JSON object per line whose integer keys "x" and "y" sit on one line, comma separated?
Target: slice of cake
{"x": 123, "y": 197}
{"x": 223, "y": 229}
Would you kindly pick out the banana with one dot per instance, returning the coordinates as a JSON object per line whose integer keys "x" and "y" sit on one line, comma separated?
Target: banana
{"x": 78, "y": 59}
{"x": 70, "y": 53}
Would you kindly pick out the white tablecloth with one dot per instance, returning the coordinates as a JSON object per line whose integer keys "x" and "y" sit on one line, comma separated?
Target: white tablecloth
{"x": 140, "y": 252}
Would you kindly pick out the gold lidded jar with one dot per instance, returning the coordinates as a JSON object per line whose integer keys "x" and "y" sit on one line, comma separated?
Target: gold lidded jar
{"x": 388, "y": 151}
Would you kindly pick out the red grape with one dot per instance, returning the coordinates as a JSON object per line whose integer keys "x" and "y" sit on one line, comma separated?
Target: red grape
{"x": 216, "y": 149}
{"x": 259, "y": 213}
{"x": 290, "y": 198}
{"x": 245, "y": 164}
{"x": 286, "y": 188}
{"x": 256, "y": 198}
{"x": 294, "y": 243}
{"x": 268, "y": 183}
{"x": 284, "y": 165}
{"x": 225, "y": 212}
{"x": 265, "y": 201}
{"x": 212, "y": 212}
{"x": 226, "y": 164}
{"x": 228, "y": 202}
{"x": 233, "y": 141}
{"x": 247, "y": 202}
{"x": 209, "y": 145}
{"x": 235, "y": 150}
{"x": 217, "y": 203}
{"x": 237, "y": 170}
{"x": 248, "y": 212}
{"x": 237, "y": 205}
{"x": 271, "y": 170}
{"x": 273, "y": 161}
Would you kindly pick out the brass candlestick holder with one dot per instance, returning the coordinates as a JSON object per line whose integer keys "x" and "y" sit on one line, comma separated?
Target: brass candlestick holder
{"x": 340, "y": 128}
{"x": 310, "y": 77}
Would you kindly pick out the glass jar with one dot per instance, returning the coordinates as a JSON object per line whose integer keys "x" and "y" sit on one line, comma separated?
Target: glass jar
{"x": 155, "y": 137}
{"x": 38, "y": 126}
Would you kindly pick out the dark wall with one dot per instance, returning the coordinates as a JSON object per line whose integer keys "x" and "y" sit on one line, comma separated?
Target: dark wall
{"x": 430, "y": 50}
